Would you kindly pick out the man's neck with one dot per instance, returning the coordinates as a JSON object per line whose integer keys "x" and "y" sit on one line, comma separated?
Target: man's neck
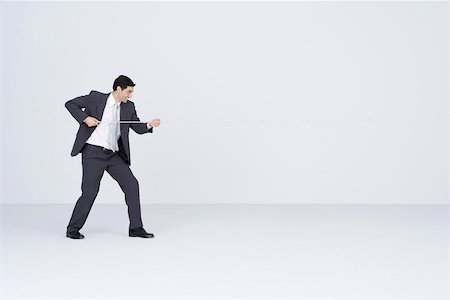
{"x": 116, "y": 97}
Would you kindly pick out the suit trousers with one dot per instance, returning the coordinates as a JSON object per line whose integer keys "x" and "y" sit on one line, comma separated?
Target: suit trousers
{"x": 95, "y": 161}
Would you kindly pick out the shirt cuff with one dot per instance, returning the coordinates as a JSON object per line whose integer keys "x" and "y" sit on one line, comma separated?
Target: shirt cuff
{"x": 148, "y": 126}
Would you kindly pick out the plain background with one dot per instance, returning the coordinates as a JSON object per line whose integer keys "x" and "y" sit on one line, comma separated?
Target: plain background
{"x": 260, "y": 102}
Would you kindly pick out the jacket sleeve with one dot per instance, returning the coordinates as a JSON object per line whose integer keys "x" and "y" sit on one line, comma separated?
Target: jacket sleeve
{"x": 76, "y": 106}
{"x": 139, "y": 128}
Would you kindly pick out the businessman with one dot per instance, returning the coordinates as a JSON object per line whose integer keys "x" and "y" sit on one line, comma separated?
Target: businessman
{"x": 102, "y": 140}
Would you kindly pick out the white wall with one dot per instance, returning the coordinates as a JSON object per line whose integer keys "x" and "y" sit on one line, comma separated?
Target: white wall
{"x": 260, "y": 102}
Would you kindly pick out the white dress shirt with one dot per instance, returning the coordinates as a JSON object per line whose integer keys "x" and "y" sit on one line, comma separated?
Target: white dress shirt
{"x": 101, "y": 135}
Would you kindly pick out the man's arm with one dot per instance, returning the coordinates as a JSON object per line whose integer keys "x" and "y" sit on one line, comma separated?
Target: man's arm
{"x": 139, "y": 128}
{"x": 75, "y": 107}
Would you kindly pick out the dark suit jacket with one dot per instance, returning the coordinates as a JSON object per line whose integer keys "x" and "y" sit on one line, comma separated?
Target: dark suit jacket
{"x": 93, "y": 105}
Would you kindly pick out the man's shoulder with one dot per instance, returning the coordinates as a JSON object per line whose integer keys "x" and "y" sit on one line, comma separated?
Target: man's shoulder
{"x": 129, "y": 103}
{"x": 97, "y": 93}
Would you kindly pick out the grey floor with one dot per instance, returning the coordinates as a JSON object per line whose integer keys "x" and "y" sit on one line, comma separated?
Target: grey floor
{"x": 228, "y": 252}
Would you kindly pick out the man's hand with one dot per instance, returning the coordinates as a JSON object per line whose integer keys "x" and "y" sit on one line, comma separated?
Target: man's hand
{"x": 154, "y": 122}
{"x": 91, "y": 121}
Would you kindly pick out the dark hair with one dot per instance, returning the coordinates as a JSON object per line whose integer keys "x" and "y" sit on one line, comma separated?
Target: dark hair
{"x": 122, "y": 81}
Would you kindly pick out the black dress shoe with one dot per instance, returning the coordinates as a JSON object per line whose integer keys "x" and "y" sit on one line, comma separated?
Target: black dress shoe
{"x": 75, "y": 235}
{"x": 139, "y": 232}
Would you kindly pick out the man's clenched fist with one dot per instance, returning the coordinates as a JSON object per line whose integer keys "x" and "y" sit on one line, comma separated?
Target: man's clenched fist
{"x": 91, "y": 121}
{"x": 154, "y": 122}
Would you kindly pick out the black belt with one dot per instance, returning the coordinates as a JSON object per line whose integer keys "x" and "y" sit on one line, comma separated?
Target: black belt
{"x": 106, "y": 150}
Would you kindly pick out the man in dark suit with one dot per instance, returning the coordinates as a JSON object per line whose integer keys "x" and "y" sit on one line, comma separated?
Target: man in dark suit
{"x": 102, "y": 140}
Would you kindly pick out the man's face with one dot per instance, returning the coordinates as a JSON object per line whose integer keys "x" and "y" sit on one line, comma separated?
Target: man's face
{"x": 125, "y": 94}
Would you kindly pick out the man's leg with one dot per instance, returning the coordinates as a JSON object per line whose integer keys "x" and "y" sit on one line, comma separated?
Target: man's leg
{"x": 121, "y": 173}
{"x": 93, "y": 169}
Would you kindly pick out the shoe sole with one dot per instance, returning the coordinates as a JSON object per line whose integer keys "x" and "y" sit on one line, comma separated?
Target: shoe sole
{"x": 145, "y": 237}
{"x": 74, "y": 238}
